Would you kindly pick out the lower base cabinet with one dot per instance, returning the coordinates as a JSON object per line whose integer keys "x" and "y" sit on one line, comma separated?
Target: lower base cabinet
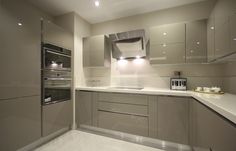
{"x": 131, "y": 124}
{"x": 210, "y": 130}
{"x": 175, "y": 119}
{"x": 20, "y": 122}
{"x": 83, "y": 107}
{"x": 56, "y": 116}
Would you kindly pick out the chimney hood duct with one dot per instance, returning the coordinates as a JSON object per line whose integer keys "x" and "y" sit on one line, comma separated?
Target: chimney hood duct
{"x": 130, "y": 44}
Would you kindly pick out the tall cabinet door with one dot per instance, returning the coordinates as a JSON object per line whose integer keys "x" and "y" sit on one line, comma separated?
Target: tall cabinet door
{"x": 167, "y": 41}
{"x": 20, "y": 122}
{"x": 211, "y": 38}
{"x": 232, "y": 23}
{"x": 56, "y": 117}
{"x": 20, "y": 50}
{"x": 83, "y": 108}
{"x": 56, "y": 35}
{"x": 173, "y": 119}
{"x": 223, "y": 10}
{"x": 196, "y": 46}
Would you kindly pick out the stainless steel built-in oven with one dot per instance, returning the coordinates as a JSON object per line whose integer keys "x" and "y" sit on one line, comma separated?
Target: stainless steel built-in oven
{"x": 56, "y": 74}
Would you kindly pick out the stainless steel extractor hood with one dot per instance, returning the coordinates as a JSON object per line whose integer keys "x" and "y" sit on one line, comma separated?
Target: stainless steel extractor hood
{"x": 130, "y": 44}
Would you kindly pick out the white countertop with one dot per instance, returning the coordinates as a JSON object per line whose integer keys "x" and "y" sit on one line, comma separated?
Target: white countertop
{"x": 223, "y": 104}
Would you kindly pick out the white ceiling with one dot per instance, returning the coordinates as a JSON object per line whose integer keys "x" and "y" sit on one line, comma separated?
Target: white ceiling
{"x": 108, "y": 9}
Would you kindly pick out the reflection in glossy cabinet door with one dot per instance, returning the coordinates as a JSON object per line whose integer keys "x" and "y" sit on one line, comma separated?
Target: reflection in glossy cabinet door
{"x": 173, "y": 119}
{"x": 233, "y": 33}
{"x": 20, "y": 122}
{"x": 222, "y": 40}
{"x": 196, "y": 38}
{"x": 83, "y": 105}
{"x": 211, "y": 38}
{"x": 20, "y": 50}
{"x": 224, "y": 11}
{"x": 173, "y": 53}
{"x": 170, "y": 33}
{"x": 167, "y": 44}
{"x": 56, "y": 35}
{"x": 123, "y": 122}
{"x": 56, "y": 117}
{"x": 210, "y": 130}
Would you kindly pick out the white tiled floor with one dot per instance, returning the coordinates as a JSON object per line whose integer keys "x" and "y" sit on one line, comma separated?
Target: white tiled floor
{"x": 82, "y": 141}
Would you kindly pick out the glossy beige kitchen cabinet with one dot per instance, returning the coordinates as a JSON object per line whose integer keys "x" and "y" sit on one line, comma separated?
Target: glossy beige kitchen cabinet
{"x": 127, "y": 123}
{"x": 210, "y": 130}
{"x": 224, "y": 11}
{"x": 173, "y": 119}
{"x": 211, "y": 38}
{"x": 173, "y": 53}
{"x": 196, "y": 42}
{"x": 56, "y": 117}
{"x": 167, "y": 44}
{"x": 20, "y": 122}
{"x": 20, "y": 50}
{"x": 83, "y": 105}
{"x": 56, "y": 35}
{"x": 232, "y": 23}
{"x": 96, "y": 51}
{"x": 123, "y": 112}
{"x": 160, "y": 117}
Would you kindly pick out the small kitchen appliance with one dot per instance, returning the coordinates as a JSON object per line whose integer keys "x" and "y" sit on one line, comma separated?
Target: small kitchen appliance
{"x": 178, "y": 83}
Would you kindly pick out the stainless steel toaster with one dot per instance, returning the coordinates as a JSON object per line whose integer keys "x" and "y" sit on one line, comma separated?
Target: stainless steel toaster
{"x": 178, "y": 84}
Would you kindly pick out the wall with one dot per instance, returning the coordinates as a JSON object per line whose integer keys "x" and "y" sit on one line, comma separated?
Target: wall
{"x": 158, "y": 76}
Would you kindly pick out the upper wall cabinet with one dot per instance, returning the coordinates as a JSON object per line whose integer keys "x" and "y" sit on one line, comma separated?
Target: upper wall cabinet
{"x": 96, "y": 51}
{"x": 225, "y": 21}
{"x": 179, "y": 43}
{"x": 211, "y": 38}
{"x": 196, "y": 42}
{"x": 56, "y": 35}
{"x": 167, "y": 44}
{"x": 232, "y": 24}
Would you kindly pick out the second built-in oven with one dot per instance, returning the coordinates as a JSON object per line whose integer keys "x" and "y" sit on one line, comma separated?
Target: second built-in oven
{"x": 56, "y": 74}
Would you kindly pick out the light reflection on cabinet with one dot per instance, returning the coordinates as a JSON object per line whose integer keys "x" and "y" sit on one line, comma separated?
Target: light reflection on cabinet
{"x": 224, "y": 19}
{"x": 167, "y": 44}
{"x": 179, "y": 43}
{"x": 211, "y": 38}
{"x": 196, "y": 42}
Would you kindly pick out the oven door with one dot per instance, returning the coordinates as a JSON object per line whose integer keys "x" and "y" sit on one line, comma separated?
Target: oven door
{"x": 56, "y": 90}
{"x": 55, "y": 60}
{"x": 55, "y": 95}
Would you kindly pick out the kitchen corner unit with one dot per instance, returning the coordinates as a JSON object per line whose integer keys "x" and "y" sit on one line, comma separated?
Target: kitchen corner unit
{"x": 163, "y": 114}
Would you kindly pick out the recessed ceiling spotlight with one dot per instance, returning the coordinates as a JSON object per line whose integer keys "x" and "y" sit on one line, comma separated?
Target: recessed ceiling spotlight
{"x": 97, "y": 3}
{"x": 19, "y": 24}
